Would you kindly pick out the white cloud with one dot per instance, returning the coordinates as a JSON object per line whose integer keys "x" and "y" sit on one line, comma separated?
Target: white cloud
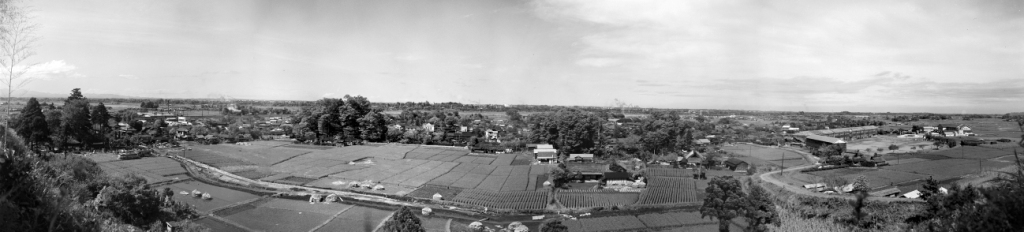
{"x": 51, "y": 70}
{"x": 748, "y": 46}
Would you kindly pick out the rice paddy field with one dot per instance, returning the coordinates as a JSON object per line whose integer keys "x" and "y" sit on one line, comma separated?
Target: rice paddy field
{"x": 948, "y": 164}
{"x": 222, "y": 197}
{"x": 671, "y": 221}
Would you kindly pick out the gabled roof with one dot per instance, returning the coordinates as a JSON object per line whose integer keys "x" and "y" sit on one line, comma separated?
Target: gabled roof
{"x": 825, "y": 139}
{"x": 581, "y": 156}
{"x": 885, "y": 192}
{"x": 616, "y": 176}
{"x": 694, "y": 154}
{"x": 545, "y": 155}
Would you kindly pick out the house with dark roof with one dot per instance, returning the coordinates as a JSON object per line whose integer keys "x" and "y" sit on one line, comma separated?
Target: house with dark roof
{"x": 736, "y": 165}
{"x": 580, "y": 158}
{"x": 589, "y": 171}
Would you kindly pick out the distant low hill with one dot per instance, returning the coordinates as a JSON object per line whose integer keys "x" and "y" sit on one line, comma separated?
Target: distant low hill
{"x": 36, "y": 94}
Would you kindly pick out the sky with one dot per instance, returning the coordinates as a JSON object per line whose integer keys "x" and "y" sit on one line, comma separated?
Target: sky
{"x": 863, "y": 56}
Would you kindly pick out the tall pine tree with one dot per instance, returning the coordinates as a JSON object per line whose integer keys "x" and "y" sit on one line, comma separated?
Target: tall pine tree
{"x": 33, "y": 125}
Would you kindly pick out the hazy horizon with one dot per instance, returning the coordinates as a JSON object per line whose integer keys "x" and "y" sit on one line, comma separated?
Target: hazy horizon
{"x": 819, "y": 56}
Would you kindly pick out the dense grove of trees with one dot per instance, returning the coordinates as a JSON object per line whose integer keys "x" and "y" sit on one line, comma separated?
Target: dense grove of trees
{"x": 351, "y": 118}
{"x": 76, "y": 121}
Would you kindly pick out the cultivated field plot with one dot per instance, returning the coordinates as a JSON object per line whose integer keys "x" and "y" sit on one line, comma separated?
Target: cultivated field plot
{"x": 760, "y": 152}
{"x": 596, "y": 199}
{"x": 491, "y": 177}
{"x": 447, "y": 154}
{"x": 613, "y": 223}
{"x": 221, "y": 196}
{"x": 974, "y": 152}
{"x": 428, "y": 191}
{"x": 667, "y": 190}
{"x": 898, "y": 160}
{"x": 677, "y": 219}
{"x": 215, "y": 159}
{"x": 304, "y": 146}
{"x": 503, "y": 200}
{"x": 318, "y": 164}
{"x": 947, "y": 168}
{"x": 260, "y": 155}
{"x": 504, "y": 159}
{"x": 154, "y": 169}
{"x": 273, "y": 219}
{"x": 406, "y": 172}
{"x": 219, "y": 226}
{"x": 357, "y": 218}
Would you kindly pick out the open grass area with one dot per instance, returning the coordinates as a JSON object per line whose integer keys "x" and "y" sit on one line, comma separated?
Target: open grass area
{"x": 871, "y": 145}
{"x": 975, "y": 152}
{"x": 154, "y": 169}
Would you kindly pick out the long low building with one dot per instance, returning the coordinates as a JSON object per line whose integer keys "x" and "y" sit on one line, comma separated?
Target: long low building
{"x": 844, "y": 133}
{"x": 813, "y": 142}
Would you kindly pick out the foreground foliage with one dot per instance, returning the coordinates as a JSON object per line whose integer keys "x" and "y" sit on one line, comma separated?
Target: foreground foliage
{"x": 45, "y": 192}
{"x": 403, "y": 221}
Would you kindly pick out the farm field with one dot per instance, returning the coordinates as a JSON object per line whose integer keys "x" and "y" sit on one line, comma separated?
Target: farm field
{"x": 672, "y": 221}
{"x": 596, "y": 199}
{"x": 760, "y": 152}
{"x": 975, "y": 152}
{"x": 356, "y": 219}
{"x": 427, "y": 192}
{"x": 221, "y": 196}
{"x": 154, "y": 169}
{"x": 948, "y": 168}
{"x": 503, "y": 200}
{"x": 491, "y": 177}
{"x": 761, "y": 155}
{"x": 667, "y": 190}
